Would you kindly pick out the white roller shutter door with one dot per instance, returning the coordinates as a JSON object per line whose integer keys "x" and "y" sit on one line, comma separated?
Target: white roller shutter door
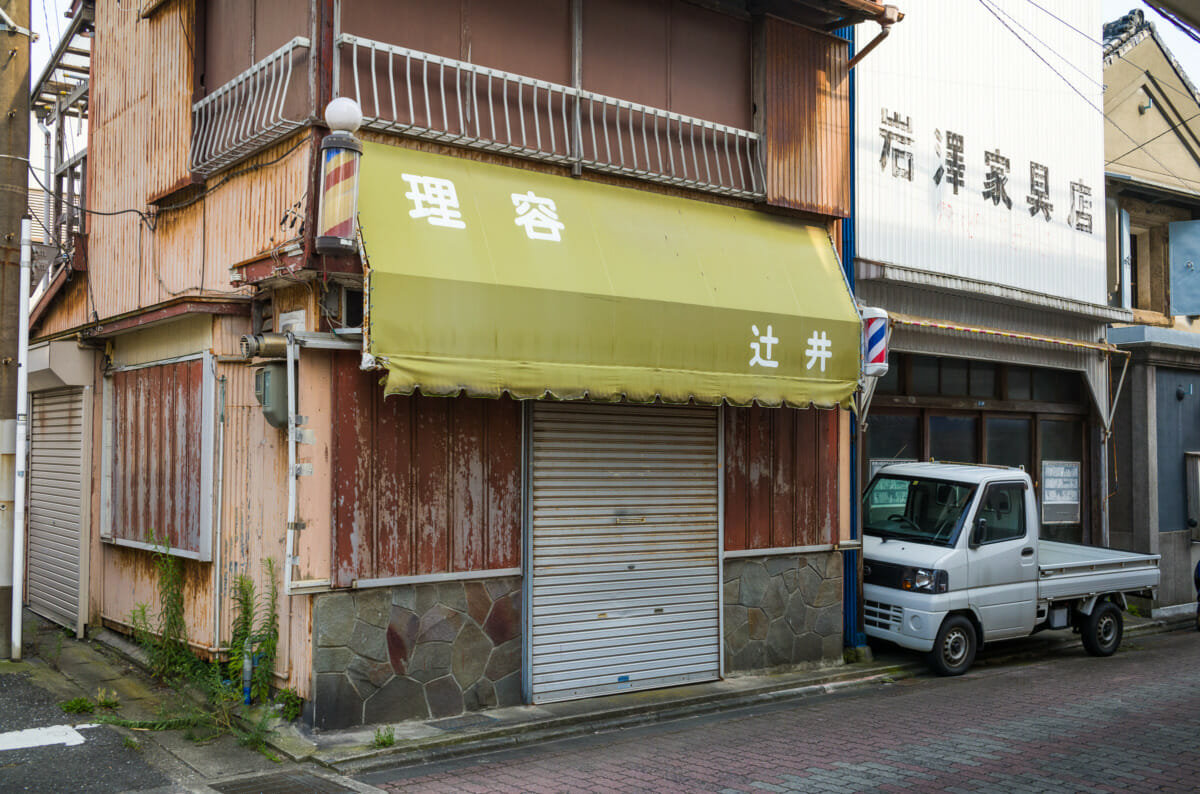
{"x": 55, "y": 495}
{"x": 624, "y": 554}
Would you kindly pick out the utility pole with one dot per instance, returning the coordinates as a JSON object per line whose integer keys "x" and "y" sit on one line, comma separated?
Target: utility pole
{"x": 14, "y": 198}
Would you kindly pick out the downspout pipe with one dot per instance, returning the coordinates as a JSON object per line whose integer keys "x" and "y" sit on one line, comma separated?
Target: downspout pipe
{"x": 18, "y": 555}
{"x": 890, "y": 16}
{"x": 852, "y": 637}
{"x": 293, "y": 473}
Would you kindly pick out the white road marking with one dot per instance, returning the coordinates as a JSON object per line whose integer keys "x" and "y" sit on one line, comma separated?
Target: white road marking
{"x": 41, "y": 737}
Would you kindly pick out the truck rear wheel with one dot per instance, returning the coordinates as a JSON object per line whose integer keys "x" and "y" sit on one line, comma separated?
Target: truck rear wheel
{"x": 954, "y": 649}
{"x": 1101, "y": 631}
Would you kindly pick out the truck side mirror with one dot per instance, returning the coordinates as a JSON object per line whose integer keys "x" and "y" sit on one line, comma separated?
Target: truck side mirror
{"x": 979, "y": 533}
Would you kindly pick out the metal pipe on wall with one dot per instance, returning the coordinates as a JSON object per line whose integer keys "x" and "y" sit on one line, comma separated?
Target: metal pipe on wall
{"x": 216, "y": 540}
{"x": 18, "y": 556}
{"x": 290, "y": 550}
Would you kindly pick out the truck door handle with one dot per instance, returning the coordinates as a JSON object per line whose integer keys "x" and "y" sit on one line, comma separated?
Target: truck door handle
{"x": 1027, "y": 551}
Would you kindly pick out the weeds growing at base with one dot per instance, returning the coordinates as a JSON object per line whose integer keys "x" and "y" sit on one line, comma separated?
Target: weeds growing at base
{"x": 217, "y": 685}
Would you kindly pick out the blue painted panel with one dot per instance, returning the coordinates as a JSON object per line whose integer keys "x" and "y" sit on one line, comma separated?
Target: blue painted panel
{"x": 1178, "y": 422}
{"x": 1184, "y": 239}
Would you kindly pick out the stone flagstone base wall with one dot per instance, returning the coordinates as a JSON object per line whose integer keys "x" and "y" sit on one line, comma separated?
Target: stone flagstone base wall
{"x": 782, "y": 610}
{"x": 415, "y": 652}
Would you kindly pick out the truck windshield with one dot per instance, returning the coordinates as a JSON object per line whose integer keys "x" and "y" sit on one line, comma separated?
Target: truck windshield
{"x": 927, "y": 511}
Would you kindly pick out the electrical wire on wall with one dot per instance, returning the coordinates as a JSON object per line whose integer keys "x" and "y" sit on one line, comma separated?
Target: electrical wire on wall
{"x": 149, "y": 220}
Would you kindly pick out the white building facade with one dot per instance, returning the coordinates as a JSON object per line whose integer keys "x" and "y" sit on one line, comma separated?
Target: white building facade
{"x": 980, "y": 228}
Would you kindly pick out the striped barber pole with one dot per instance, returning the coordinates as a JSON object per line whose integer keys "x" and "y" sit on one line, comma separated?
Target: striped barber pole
{"x": 340, "y": 153}
{"x": 875, "y": 338}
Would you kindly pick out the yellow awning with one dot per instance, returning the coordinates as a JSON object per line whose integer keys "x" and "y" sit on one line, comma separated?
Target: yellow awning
{"x": 486, "y": 279}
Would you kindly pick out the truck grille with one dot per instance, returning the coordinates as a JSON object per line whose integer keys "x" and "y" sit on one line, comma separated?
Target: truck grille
{"x": 882, "y": 616}
{"x": 884, "y": 574}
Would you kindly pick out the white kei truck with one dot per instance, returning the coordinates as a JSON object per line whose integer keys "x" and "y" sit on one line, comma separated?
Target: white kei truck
{"x": 952, "y": 558}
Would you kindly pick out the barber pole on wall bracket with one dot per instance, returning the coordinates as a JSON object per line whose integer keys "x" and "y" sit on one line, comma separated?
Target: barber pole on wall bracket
{"x": 340, "y": 154}
{"x": 875, "y": 341}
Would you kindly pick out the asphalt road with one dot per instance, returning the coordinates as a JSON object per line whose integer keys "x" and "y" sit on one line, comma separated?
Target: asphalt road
{"x": 1064, "y": 722}
{"x": 101, "y": 762}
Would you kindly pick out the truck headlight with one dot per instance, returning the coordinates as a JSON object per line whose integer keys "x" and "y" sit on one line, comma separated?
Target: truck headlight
{"x": 925, "y": 580}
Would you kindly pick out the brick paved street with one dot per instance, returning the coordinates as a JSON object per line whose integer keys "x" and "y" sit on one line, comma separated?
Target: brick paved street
{"x": 1066, "y": 722}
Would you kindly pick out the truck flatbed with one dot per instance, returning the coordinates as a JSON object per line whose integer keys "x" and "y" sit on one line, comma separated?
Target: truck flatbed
{"x": 1068, "y": 570}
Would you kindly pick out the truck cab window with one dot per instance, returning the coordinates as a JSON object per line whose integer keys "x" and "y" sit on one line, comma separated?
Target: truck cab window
{"x": 926, "y": 511}
{"x": 1003, "y": 510}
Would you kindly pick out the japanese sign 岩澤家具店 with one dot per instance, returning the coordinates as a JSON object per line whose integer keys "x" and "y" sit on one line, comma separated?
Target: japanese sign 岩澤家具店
{"x": 980, "y": 160}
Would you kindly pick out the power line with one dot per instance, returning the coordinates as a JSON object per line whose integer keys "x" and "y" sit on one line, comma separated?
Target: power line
{"x": 1172, "y": 128}
{"x": 1071, "y": 85}
{"x": 1065, "y": 60}
{"x": 1187, "y": 31}
{"x": 1045, "y": 10}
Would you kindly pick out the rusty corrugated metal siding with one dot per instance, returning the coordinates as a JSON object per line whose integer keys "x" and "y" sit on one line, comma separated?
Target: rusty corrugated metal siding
{"x": 807, "y": 120}
{"x": 131, "y": 578}
{"x": 156, "y": 454}
{"x": 258, "y": 211}
{"x": 140, "y": 142}
{"x": 72, "y": 307}
{"x": 253, "y": 505}
{"x": 422, "y": 484}
{"x": 781, "y": 477}
{"x": 168, "y": 39}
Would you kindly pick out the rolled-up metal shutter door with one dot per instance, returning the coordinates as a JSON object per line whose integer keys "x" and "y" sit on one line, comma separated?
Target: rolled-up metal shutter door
{"x": 624, "y": 556}
{"x": 55, "y": 488}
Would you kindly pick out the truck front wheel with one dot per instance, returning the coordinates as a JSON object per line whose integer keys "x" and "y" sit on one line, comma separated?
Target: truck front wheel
{"x": 1101, "y": 630}
{"x": 954, "y": 650}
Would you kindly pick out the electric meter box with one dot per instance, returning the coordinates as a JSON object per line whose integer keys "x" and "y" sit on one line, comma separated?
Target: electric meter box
{"x": 270, "y": 387}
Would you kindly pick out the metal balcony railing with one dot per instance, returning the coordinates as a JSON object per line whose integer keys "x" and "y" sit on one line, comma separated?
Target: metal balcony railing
{"x": 248, "y": 113}
{"x": 408, "y": 92}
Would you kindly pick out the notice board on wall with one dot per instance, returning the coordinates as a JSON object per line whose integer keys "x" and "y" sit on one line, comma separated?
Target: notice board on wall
{"x": 1060, "y": 491}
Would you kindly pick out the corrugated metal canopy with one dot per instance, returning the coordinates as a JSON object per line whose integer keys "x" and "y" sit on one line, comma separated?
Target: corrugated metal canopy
{"x": 486, "y": 279}
{"x": 941, "y": 337}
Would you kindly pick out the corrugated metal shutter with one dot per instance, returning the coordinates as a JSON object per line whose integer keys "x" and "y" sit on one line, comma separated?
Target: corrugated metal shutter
{"x": 625, "y": 534}
{"x": 55, "y": 473}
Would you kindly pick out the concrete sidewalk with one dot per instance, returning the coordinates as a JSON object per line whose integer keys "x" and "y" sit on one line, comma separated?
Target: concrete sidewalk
{"x": 69, "y": 667}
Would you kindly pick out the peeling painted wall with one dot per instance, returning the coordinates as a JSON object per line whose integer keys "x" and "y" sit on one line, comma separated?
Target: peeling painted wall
{"x": 422, "y": 484}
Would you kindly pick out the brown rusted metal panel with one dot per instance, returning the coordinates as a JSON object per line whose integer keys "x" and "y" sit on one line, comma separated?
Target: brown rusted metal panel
{"x": 710, "y": 65}
{"x": 625, "y": 46}
{"x": 421, "y": 484}
{"x": 229, "y": 31}
{"x": 430, "y": 508}
{"x": 736, "y": 478}
{"x": 392, "y": 489}
{"x": 781, "y": 477}
{"x": 352, "y": 464}
{"x": 529, "y": 37}
{"x": 503, "y": 484}
{"x": 806, "y": 119}
{"x": 784, "y": 478}
{"x": 276, "y": 22}
{"x": 467, "y": 470}
{"x": 827, "y": 503}
{"x": 156, "y": 444}
{"x": 167, "y": 120}
{"x": 761, "y": 483}
{"x": 434, "y": 26}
